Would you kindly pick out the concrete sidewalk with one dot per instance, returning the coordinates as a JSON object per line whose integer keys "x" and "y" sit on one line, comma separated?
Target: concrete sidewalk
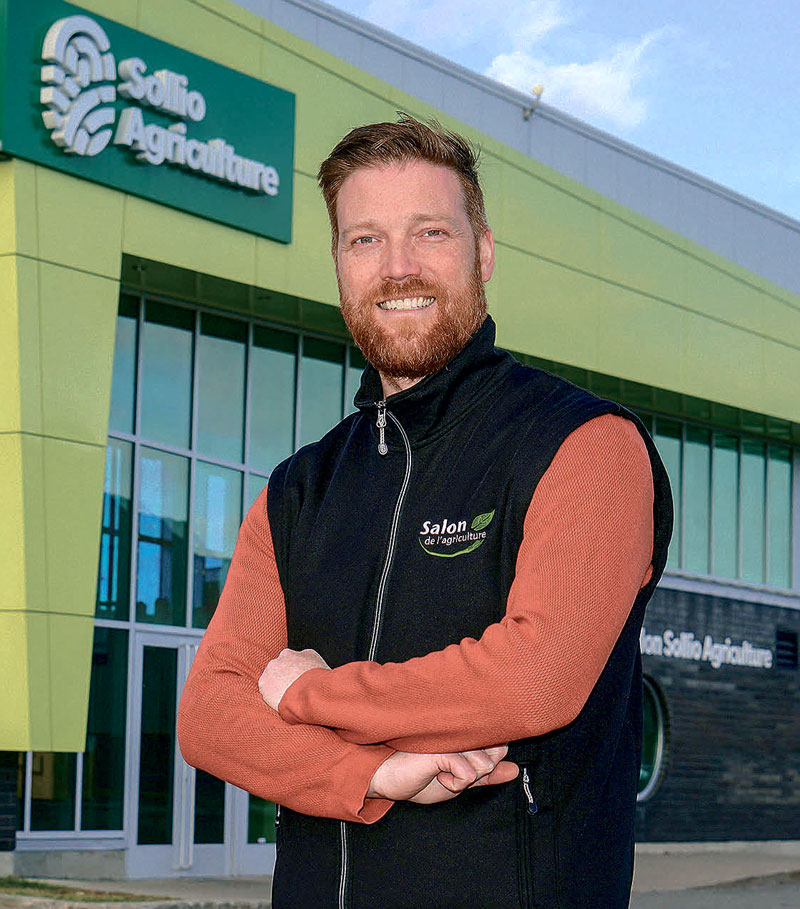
{"x": 681, "y": 866}
{"x": 660, "y": 867}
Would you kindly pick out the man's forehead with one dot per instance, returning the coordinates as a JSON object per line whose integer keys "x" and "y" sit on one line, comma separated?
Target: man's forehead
{"x": 426, "y": 188}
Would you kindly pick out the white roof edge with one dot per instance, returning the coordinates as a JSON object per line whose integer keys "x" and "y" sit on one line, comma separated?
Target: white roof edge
{"x": 375, "y": 33}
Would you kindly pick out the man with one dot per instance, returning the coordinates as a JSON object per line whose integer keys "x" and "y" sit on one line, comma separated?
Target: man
{"x": 472, "y": 553}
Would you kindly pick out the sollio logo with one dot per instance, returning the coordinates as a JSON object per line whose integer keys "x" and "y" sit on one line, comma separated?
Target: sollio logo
{"x": 79, "y": 91}
{"x": 444, "y": 538}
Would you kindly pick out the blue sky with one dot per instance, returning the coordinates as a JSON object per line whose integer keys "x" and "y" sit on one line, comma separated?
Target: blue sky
{"x": 713, "y": 86}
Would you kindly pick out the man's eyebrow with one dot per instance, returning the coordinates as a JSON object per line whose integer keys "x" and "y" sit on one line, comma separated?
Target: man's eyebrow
{"x": 414, "y": 218}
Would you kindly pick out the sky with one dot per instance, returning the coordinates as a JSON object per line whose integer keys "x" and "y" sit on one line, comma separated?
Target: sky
{"x": 712, "y": 86}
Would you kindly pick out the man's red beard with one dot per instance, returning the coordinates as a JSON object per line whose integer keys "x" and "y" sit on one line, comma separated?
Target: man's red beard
{"x": 416, "y": 352}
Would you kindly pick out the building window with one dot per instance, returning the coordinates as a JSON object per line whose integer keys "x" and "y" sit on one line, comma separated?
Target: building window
{"x": 653, "y": 741}
{"x": 733, "y": 503}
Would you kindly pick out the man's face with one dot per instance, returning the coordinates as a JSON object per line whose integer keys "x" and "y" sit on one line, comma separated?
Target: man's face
{"x": 410, "y": 270}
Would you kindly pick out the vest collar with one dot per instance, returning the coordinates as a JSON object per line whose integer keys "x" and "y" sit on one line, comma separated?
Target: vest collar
{"x": 430, "y": 407}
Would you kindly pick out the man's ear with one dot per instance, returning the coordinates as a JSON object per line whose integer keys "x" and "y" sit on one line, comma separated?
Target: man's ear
{"x": 486, "y": 253}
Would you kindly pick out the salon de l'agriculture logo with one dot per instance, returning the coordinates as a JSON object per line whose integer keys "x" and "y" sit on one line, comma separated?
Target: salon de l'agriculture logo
{"x": 447, "y": 539}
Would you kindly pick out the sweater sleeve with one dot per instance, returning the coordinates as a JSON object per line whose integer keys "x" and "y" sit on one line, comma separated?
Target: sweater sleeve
{"x": 585, "y": 553}
{"x": 224, "y": 726}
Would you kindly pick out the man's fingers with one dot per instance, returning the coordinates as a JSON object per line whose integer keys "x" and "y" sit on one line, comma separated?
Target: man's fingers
{"x": 504, "y": 772}
{"x": 481, "y": 760}
{"x": 457, "y": 772}
{"x": 497, "y": 752}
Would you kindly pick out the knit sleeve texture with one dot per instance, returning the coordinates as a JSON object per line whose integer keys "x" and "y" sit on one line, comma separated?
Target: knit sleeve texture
{"x": 225, "y": 727}
{"x": 585, "y": 554}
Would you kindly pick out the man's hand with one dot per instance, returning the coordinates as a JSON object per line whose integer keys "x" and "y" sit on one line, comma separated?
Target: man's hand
{"x": 429, "y": 778}
{"x": 286, "y": 668}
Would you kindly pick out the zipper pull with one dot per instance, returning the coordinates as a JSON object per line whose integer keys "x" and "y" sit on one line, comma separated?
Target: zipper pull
{"x": 277, "y": 815}
{"x": 383, "y": 448}
{"x": 526, "y": 788}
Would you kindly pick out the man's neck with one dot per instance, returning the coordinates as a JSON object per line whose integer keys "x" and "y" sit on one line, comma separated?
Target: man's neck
{"x": 393, "y": 384}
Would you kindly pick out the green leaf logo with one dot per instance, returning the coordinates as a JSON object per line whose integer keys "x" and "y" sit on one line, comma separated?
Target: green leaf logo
{"x": 483, "y": 520}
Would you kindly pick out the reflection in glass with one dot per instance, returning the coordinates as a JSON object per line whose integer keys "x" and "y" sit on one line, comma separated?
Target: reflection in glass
{"x": 220, "y": 387}
{"x": 156, "y": 754}
{"x": 53, "y": 791}
{"x": 217, "y": 515}
{"x": 652, "y": 740}
{"x": 779, "y": 516}
{"x": 114, "y": 571}
{"x": 123, "y": 383}
{"x": 163, "y": 513}
{"x": 22, "y": 758}
{"x": 696, "y": 512}
{"x": 209, "y": 808}
{"x": 104, "y": 758}
{"x": 273, "y": 360}
{"x": 166, "y": 381}
{"x": 353, "y": 378}
{"x": 321, "y": 394}
{"x": 725, "y": 504}
{"x": 260, "y": 820}
{"x": 668, "y": 441}
{"x": 753, "y": 490}
{"x": 255, "y": 484}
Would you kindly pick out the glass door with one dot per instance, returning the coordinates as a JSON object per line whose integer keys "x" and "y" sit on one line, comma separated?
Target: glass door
{"x": 177, "y": 814}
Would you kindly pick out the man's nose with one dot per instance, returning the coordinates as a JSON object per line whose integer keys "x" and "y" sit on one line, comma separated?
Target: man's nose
{"x": 400, "y": 261}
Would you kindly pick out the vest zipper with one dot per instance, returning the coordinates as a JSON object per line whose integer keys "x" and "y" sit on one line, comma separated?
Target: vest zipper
{"x": 524, "y": 854}
{"x": 383, "y": 448}
{"x": 378, "y": 618}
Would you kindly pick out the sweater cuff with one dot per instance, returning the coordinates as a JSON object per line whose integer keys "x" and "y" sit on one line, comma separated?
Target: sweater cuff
{"x": 352, "y": 779}
{"x": 290, "y": 708}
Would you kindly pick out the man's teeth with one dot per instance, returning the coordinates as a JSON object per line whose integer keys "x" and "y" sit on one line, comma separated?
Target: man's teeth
{"x": 407, "y": 303}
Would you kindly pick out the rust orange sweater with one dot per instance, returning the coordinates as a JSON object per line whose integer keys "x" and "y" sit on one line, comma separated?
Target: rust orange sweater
{"x": 585, "y": 554}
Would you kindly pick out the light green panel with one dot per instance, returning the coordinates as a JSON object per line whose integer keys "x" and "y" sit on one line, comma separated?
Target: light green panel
{"x": 79, "y": 224}
{"x": 73, "y": 483}
{"x": 190, "y": 26}
{"x": 309, "y": 272}
{"x": 16, "y": 712}
{"x": 28, "y": 347}
{"x": 10, "y": 415}
{"x": 538, "y": 217}
{"x": 626, "y": 319}
{"x": 167, "y": 235}
{"x": 77, "y": 325}
{"x": 124, "y": 11}
{"x": 639, "y": 261}
{"x": 12, "y": 529}
{"x": 34, "y": 522}
{"x": 70, "y": 646}
{"x": 8, "y": 232}
{"x": 526, "y": 296}
{"x": 734, "y": 362}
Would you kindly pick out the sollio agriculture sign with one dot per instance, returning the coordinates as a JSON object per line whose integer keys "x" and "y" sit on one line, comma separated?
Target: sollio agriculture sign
{"x": 86, "y": 95}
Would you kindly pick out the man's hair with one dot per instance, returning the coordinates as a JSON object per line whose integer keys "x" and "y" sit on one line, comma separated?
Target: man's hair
{"x": 408, "y": 139}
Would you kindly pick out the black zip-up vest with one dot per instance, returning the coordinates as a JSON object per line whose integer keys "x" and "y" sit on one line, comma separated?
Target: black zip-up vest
{"x": 376, "y": 532}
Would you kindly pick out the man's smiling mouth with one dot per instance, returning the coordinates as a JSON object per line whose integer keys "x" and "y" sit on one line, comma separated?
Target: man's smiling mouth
{"x": 407, "y": 303}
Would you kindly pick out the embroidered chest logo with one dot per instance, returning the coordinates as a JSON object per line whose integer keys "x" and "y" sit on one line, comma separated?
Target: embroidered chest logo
{"x": 447, "y": 539}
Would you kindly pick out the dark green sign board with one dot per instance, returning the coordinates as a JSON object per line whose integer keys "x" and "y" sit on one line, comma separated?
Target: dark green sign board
{"x": 83, "y": 94}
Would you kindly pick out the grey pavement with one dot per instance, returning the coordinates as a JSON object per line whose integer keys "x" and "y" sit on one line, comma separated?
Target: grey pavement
{"x": 667, "y": 876}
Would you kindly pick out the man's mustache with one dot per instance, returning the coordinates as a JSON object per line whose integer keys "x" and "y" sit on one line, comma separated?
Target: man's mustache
{"x": 408, "y": 287}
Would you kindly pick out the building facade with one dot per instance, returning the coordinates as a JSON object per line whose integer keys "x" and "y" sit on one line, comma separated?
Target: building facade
{"x": 169, "y": 332}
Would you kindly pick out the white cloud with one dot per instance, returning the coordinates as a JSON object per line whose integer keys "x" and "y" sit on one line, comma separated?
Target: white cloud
{"x": 606, "y": 87}
{"x": 446, "y": 25}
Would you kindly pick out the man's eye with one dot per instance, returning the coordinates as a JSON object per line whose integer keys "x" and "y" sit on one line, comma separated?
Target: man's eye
{"x": 434, "y": 232}
{"x": 363, "y": 241}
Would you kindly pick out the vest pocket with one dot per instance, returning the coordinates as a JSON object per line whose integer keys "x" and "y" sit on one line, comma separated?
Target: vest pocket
{"x": 536, "y": 865}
